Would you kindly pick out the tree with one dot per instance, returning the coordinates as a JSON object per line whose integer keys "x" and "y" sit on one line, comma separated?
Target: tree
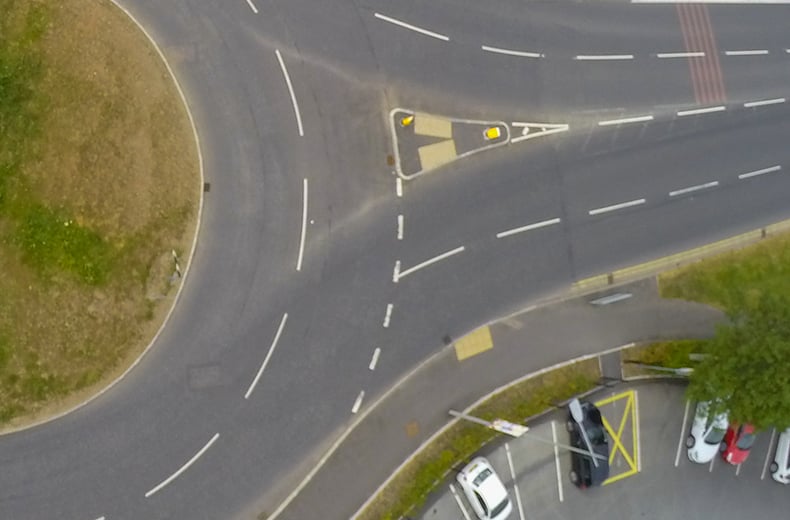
{"x": 747, "y": 367}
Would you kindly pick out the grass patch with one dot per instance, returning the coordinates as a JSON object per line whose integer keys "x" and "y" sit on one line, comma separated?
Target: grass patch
{"x": 411, "y": 487}
{"x": 671, "y": 354}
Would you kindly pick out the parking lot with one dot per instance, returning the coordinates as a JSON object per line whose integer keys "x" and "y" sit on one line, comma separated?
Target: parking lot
{"x": 650, "y": 476}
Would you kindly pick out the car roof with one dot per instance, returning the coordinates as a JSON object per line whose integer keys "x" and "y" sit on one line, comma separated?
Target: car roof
{"x": 491, "y": 489}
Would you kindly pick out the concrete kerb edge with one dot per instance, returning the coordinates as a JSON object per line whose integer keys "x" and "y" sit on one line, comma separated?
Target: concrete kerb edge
{"x": 191, "y": 251}
{"x": 395, "y": 149}
{"x": 477, "y": 403}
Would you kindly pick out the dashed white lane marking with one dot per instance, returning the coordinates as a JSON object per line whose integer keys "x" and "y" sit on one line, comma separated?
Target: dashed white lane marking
{"x": 268, "y": 356}
{"x": 510, "y": 52}
{"x": 751, "y": 52}
{"x": 411, "y": 27}
{"x": 603, "y": 57}
{"x": 183, "y": 468}
{"x": 636, "y": 119}
{"x": 396, "y": 272}
{"x": 682, "y": 433}
{"x": 751, "y": 104}
{"x": 375, "y": 359}
{"x": 399, "y": 187}
{"x": 557, "y": 459}
{"x": 528, "y": 227}
{"x": 755, "y": 173}
{"x": 697, "y": 111}
{"x": 290, "y": 91}
{"x": 401, "y": 274}
{"x": 615, "y": 207}
{"x": 515, "y": 485}
{"x": 458, "y": 501}
{"x": 400, "y": 227}
{"x": 388, "y": 315}
{"x": 358, "y": 402}
{"x": 768, "y": 455}
{"x": 252, "y": 6}
{"x": 681, "y": 55}
{"x": 304, "y": 226}
{"x": 691, "y": 189}
{"x": 100, "y": 518}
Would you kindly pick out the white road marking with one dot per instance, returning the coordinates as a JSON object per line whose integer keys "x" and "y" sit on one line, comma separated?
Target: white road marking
{"x": 401, "y": 274}
{"x": 358, "y": 402}
{"x": 396, "y": 272}
{"x": 510, "y": 52}
{"x": 458, "y": 501}
{"x": 291, "y": 91}
{"x": 183, "y": 468}
{"x": 638, "y": 437}
{"x": 602, "y": 57}
{"x": 680, "y": 55}
{"x": 399, "y": 187}
{"x": 388, "y": 315}
{"x": 252, "y": 6}
{"x": 100, "y": 518}
{"x": 515, "y": 486}
{"x": 683, "y": 433}
{"x": 637, "y": 119}
{"x": 412, "y": 27}
{"x": 768, "y": 455}
{"x": 764, "y": 102}
{"x": 710, "y": 469}
{"x": 738, "y": 469}
{"x": 745, "y": 2}
{"x": 268, "y": 355}
{"x": 375, "y": 359}
{"x": 753, "y": 52}
{"x": 304, "y": 227}
{"x": 528, "y": 227}
{"x": 690, "y": 189}
{"x": 696, "y": 111}
{"x": 400, "y": 227}
{"x": 755, "y": 173}
{"x": 614, "y": 207}
{"x": 557, "y": 459}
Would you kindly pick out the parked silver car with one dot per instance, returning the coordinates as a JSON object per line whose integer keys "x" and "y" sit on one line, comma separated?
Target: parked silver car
{"x": 780, "y": 467}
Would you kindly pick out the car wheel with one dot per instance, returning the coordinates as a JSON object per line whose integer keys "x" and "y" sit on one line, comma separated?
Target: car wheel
{"x": 690, "y": 441}
{"x": 774, "y": 467}
{"x": 574, "y": 477}
{"x": 570, "y": 426}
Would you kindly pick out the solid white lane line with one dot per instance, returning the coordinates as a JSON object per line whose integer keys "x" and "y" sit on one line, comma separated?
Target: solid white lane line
{"x": 528, "y": 227}
{"x": 681, "y": 55}
{"x": 304, "y": 226}
{"x": 510, "y": 52}
{"x": 637, "y": 119}
{"x": 690, "y": 189}
{"x": 755, "y": 173}
{"x": 557, "y": 459}
{"x": 614, "y": 207}
{"x": 388, "y": 315}
{"x": 375, "y": 359}
{"x": 682, "y": 433}
{"x": 602, "y": 57}
{"x": 183, "y": 468}
{"x": 753, "y": 52}
{"x": 412, "y": 27}
{"x": 515, "y": 485}
{"x": 358, "y": 402}
{"x": 268, "y": 355}
{"x": 458, "y": 501}
{"x": 764, "y": 102}
{"x": 291, "y": 91}
{"x": 768, "y": 455}
{"x": 426, "y": 263}
{"x": 400, "y": 227}
{"x": 252, "y": 6}
{"x": 701, "y": 111}
{"x": 399, "y": 187}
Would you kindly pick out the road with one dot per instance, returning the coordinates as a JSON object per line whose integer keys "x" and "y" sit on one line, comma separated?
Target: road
{"x": 291, "y": 290}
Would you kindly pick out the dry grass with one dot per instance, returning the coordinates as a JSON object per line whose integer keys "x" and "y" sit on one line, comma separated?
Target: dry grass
{"x": 96, "y": 193}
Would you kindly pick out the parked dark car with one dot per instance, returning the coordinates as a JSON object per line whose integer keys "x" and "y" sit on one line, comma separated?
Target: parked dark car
{"x": 584, "y": 473}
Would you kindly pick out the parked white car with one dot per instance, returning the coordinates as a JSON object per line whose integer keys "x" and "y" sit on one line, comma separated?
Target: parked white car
{"x": 484, "y": 491}
{"x": 780, "y": 467}
{"x": 706, "y": 434}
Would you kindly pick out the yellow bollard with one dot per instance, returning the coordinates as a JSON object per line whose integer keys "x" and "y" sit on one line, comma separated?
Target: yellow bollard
{"x": 492, "y": 132}
{"x": 406, "y": 121}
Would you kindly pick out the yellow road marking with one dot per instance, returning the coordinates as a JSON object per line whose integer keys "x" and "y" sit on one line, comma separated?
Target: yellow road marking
{"x": 474, "y": 343}
{"x": 628, "y": 412}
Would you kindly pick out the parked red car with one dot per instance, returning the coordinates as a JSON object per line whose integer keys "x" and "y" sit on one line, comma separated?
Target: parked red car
{"x": 737, "y": 443}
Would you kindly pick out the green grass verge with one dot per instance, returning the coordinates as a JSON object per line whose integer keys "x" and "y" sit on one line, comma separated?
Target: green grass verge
{"x": 411, "y": 487}
{"x": 671, "y": 354}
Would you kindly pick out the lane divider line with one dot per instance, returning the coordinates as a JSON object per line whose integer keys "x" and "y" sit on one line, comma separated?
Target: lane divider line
{"x": 411, "y": 27}
{"x": 755, "y": 173}
{"x": 396, "y": 272}
{"x": 304, "y": 226}
{"x": 400, "y": 227}
{"x": 399, "y": 187}
{"x": 615, "y": 207}
{"x": 697, "y": 111}
{"x": 291, "y": 91}
{"x": 691, "y": 189}
{"x": 387, "y": 316}
{"x": 680, "y": 55}
{"x": 753, "y": 52}
{"x": 509, "y": 52}
{"x": 636, "y": 119}
{"x": 602, "y": 57}
{"x": 183, "y": 468}
{"x": 375, "y": 359}
{"x": 528, "y": 227}
{"x": 252, "y": 6}
{"x": 358, "y": 402}
{"x": 268, "y": 356}
{"x": 764, "y": 102}
{"x": 401, "y": 274}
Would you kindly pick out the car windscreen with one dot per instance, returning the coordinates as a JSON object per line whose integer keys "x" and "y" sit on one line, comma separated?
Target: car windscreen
{"x": 745, "y": 441}
{"x": 499, "y": 508}
{"x": 715, "y": 436}
{"x": 481, "y": 477}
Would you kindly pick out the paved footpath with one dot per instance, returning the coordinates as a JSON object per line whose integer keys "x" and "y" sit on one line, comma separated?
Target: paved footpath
{"x": 524, "y": 343}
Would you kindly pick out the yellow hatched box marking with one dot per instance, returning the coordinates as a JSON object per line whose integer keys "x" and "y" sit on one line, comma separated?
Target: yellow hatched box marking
{"x": 616, "y": 436}
{"x": 474, "y": 343}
